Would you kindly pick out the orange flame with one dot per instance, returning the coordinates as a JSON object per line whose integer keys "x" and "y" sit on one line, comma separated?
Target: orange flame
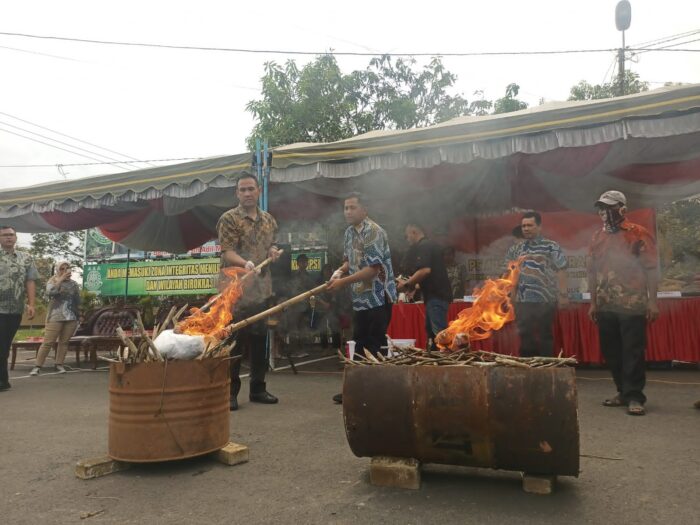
{"x": 213, "y": 321}
{"x": 491, "y": 310}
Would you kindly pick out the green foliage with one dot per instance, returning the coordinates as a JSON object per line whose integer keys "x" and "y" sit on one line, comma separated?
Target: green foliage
{"x": 679, "y": 224}
{"x": 318, "y": 103}
{"x": 509, "y": 102}
{"x": 585, "y": 91}
{"x": 89, "y": 301}
{"x": 480, "y": 106}
{"x": 147, "y": 307}
{"x": 47, "y": 248}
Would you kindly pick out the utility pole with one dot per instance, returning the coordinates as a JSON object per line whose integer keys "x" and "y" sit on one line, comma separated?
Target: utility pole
{"x": 623, "y": 17}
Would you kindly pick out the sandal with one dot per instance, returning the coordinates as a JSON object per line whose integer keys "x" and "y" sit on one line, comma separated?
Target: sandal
{"x": 614, "y": 402}
{"x": 635, "y": 408}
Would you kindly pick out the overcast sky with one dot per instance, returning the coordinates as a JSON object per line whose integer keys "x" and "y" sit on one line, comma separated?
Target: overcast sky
{"x": 161, "y": 104}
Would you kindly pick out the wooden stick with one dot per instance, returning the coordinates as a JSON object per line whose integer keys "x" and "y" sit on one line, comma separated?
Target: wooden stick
{"x": 164, "y": 326}
{"x": 149, "y": 342}
{"x": 176, "y": 317}
{"x": 259, "y": 267}
{"x": 275, "y": 309}
{"x": 133, "y": 349}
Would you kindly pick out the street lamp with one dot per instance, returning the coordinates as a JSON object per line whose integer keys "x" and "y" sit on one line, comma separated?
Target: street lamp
{"x": 623, "y": 17}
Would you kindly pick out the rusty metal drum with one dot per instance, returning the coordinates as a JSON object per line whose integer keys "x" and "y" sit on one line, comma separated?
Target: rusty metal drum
{"x": 161, "y": 411}
{"x": 498, "y": 417}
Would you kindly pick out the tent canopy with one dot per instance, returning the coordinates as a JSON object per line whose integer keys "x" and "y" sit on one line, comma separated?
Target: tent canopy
{"x": 552, "y": 157}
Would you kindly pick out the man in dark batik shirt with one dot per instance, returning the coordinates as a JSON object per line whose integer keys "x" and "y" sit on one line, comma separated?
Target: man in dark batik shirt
{"x": 247, "y": 237}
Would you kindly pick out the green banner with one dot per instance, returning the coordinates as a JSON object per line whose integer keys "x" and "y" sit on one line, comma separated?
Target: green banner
{"x": 179, "y": 277}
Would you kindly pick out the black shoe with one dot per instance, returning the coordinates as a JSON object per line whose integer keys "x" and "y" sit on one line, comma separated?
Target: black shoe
{"x": 5, "y": 386}
{"x": 338, "y": 399}
{"x": 233, "y": 404}
{"x": 263, "y": 397}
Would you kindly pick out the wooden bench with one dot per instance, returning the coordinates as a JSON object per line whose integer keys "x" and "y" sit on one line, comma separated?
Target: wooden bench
{"x": 34, "y": 345}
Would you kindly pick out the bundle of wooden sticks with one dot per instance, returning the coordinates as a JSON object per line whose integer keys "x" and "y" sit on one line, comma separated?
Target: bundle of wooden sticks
{"x": 412, "y": 356}
{"x": 141, "y": 348}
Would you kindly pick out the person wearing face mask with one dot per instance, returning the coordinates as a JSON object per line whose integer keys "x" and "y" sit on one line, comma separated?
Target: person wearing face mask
{"x": 622, "y": 280}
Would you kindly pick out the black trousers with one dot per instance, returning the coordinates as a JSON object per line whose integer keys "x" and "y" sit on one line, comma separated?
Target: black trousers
{"x": 534, "y": 322}
{"x": 369, "y": 329}
{"x": 623, "y": 340}
{"x": 9, "y": 323}
{"x": 251, "y": 341}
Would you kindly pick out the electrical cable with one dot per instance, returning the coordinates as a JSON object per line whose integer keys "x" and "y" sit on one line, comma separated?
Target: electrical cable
{"x": 52, "y": 145}
{"x": 62, "y": 142}
{"x": 287, "y": 52}
{"x": 669, "y": 47}
{"x": 95, "y": 163}
{"x": 668, "y": 38}
{"x": 68, "y": 136}
{"x": 335, "y": 53}
{"x": 38, "y": 53}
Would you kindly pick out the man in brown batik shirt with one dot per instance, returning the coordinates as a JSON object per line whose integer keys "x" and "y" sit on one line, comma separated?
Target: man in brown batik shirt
{"x": 247, "y": 237}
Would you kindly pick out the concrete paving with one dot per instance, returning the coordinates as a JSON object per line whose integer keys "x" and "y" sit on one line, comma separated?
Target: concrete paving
{"x": 301, "y": 469}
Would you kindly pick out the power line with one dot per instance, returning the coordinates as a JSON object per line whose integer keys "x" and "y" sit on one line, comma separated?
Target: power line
{"x": 336, "y": 53}
{"x": 38, "y": 53}
{"x": 670, "y": 47}
{"x": 68, "y": 136}
{"x": 668, "y": 38}
{"x": 51, "y": 145}
{"x": 287, "y": 52}
{"x": 62, "y": 142}
{"x": 664, "y": 49}
{"x": 95, "y": 163}
{"x": 680, "y": 43}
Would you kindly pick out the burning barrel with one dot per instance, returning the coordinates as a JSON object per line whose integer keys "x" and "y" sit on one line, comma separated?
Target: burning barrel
{"x": 499, "y": 417}
{"x": 167, "y": 410}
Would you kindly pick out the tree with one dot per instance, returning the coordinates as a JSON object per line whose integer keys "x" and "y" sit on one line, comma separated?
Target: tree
{"x": 585, "y": 91}
{"x": 480, "y": 106}
{"x": 318, "y": 103}
{"x": 678, "y": 223}
{"x": 60, "y": 245}
{"x": 509, "y": 102}
{"x": 47, "y": 248}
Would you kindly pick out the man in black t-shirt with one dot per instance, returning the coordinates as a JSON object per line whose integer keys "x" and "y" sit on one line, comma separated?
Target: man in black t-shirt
{"x": 425, "y": 260}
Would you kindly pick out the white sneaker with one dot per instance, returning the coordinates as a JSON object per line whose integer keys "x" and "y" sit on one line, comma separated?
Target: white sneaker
{"x": 60, "y": 369}
{"x": 35, "y": 371}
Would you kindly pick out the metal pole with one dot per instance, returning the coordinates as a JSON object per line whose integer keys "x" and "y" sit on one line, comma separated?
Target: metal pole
{"x": 258, "y": 171}
{"x": 126, "y": 280}
{"x": 266, "y": 177}
{"x": 621, "y": 67}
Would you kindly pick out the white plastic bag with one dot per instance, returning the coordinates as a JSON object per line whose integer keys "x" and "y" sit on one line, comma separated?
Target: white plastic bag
{"x": 179, "y": 346}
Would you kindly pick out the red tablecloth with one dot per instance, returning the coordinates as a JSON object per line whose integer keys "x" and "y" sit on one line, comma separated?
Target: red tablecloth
{"x": 675, "y": 335}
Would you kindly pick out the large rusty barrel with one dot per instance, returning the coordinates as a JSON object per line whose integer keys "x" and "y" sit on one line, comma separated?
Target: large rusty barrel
{"x": 168, "y": 410}
{"x": 498, "y": 417}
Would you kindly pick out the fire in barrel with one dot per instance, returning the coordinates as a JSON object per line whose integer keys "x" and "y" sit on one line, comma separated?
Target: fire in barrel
{"x": 169, "y": 394}
{"x": 462, "y": 407}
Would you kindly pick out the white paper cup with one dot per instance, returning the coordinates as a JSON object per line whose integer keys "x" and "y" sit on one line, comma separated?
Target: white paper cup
{"x": 350, "y": 349}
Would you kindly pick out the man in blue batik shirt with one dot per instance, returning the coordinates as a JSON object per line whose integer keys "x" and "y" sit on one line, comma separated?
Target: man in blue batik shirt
{"x": 540, "y": 287}
{"x": 368, "y": 271}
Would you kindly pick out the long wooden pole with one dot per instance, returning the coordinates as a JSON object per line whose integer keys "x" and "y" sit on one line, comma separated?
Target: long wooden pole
{"x": 259, "y": 267}
{"x": 275, "y": 309}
